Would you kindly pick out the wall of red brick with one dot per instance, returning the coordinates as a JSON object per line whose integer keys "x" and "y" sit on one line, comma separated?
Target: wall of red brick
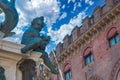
{"x": 104, "y": 58}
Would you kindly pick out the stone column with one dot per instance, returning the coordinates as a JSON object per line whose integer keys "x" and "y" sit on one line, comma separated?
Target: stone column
{"x": 27, "y": 68}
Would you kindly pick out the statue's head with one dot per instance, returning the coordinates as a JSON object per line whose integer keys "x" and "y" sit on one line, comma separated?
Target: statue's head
{"x": 38, "y": 23}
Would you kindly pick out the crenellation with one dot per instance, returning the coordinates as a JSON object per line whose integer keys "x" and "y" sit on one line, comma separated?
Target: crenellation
{"x": 75, "y": 33}
{"x": 67, "y": 41}
{"x": 91, "y": 21}
{"x": 108, "y": 5}
{"x": 95, "y": 38}
{"x": 83, "y": 29}
{"x": 97, "y": 13}
{"x": 88, "y": 22}
{"x": 59, "y": 48}
{"x": 110, "y": 2}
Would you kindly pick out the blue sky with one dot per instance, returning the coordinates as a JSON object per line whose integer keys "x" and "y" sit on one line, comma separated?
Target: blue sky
{"x": 61, "y": 16}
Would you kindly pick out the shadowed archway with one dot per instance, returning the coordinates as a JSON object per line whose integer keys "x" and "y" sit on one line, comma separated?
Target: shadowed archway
{"x": 27, "y": 67}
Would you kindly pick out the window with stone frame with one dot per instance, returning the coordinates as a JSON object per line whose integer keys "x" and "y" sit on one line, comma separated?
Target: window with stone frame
{"x": 68, "y": 75}
{"x": 67, "y": 72}
{"x": 113, "y": 36}
{"x": 88, "y": 58}
{"x": 114, "y": 40}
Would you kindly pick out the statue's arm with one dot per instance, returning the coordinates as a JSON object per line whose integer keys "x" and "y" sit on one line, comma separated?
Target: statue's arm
{"x": 35, "y": 43}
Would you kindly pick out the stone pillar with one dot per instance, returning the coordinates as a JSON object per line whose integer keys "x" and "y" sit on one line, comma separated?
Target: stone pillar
{"x": 27, "y": 68}
{"x": 18, "y": 66}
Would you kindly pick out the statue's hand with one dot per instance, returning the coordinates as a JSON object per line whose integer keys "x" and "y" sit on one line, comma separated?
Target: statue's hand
{"x": 45, "y": 38}
{"x": 24, "y": 49}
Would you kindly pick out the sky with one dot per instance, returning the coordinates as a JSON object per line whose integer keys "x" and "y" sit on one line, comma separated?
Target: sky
{"x": 61, "y": 16}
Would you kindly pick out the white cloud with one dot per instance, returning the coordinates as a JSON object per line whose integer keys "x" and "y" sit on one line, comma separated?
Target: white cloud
{"x": 57, "y": 36}
{"x": 63, "y": 7}
{"x": 76, "y": 5}
{"x": 65, "y": 29}
{"x": 78, "y": 19}
{"x": 71, "y": 1}
{"x": 90, "y": 2}
{"x": 17, "y": 37}
{"x": 29, "y": 10}
{"x": 63, "y": 16}
{"x": 79, "y": 4}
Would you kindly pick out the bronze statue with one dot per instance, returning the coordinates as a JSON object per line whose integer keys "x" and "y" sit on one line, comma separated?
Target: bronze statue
{"x": 11, "y": 18}
{"x": 33, "y": 41}
{"x": 2, "y": 75}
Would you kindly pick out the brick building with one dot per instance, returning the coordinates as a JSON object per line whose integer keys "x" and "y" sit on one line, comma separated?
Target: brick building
{"x": 92, "y": 51}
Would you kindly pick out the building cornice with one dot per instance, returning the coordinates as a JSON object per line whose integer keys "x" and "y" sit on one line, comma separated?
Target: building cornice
{"x": 104, "y": 22}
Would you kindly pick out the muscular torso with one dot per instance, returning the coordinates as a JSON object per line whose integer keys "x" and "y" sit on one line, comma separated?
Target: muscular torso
{"x": 30, "y": 35}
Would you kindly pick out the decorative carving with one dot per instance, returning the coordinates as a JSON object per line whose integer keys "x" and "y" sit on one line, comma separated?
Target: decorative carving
{"x": 11, "y": 18}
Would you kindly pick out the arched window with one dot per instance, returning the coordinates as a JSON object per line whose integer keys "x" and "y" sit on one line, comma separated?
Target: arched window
{"x": 113, "y": 37}
{"x": 88, "y": 56}
{"x": 67, "y": 72}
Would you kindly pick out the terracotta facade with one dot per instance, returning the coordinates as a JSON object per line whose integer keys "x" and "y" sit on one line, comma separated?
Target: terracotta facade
{"x": 101, "y": 28}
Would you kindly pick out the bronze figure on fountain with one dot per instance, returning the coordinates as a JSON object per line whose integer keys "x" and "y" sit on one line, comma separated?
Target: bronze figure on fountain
{"x": 33, "y": 41}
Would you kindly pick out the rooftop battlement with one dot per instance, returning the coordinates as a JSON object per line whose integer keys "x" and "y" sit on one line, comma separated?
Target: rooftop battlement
{"x": 87, "y": 23}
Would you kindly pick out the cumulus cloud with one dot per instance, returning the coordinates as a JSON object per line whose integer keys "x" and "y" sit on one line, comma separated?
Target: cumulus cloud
{"x": 63, "y": 16}
{"x": 90, "y": 2}
{"x": 65, "y": 29}
{"x": 17, "y": 37}
{"x": 34, "y": 8}
{"x": 78, "y": 19}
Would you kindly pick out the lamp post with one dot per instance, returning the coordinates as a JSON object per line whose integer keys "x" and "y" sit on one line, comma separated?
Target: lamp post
{"x": 58, "y": 65}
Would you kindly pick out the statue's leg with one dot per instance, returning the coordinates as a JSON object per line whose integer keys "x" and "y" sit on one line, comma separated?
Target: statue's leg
{"x": 47, "y": 61}
{"x": 35, "y": 43}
